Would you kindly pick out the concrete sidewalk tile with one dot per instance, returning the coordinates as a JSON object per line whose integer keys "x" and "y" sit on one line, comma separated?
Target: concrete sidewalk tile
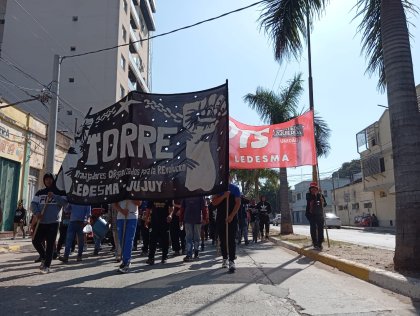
{"x": 385, "y": 279}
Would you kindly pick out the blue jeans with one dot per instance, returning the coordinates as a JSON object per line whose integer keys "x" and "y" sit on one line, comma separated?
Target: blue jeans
{"x": 75, "y": 229}
{"x": 130, "y": 231}
{"x": 192, "y": 235}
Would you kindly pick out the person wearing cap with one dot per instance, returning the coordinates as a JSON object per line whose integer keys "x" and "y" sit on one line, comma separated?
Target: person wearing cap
{"x": 315, "y": 202}
{"x": 46, "y": 207}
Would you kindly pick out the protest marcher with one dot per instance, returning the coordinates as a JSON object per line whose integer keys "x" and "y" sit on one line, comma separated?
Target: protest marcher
{"x": 46, "y": 207}
{"x": 177, "y": 234}
{"x": 212, "y": 221}
{"x": 243, "y": 221}
{"x": 254, "y": 219}
{"x": 160, "y": 214}
{"x": 116, "y": 248}
{"x": 315, "y": 202}
{"x": 193, "y": 216}
{"x": 96, "y": 212}
{"x": 19, "y": 220}
{"x": 79, "y": 215}
{"x": 144, "y": 220}
{"x": 264, "y": 210}
{"x": 227, "y": 219}
{"x": 64, "y": 224}
{"x": 128, "y": 212}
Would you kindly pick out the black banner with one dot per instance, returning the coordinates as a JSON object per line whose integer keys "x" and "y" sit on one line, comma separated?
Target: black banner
{"x": 150, "y": 146}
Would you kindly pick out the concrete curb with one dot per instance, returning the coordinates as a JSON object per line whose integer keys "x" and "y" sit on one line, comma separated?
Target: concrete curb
{"x": 385, "y": 279}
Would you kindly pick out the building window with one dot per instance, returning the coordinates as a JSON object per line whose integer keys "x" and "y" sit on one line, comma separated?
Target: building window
{"x": 122, "y": 92}
{"x": 122, "y": 62}
{"x": 367, "y": 205}
{"x": 382, "y": 164}
{"x": 382, "y": 194}
{"x": 355, "y": 206}
{"x": 2, "y": 21}
{"x": 75, "y": 18}
{"x": 125, "y": 6}
{"x": 72, "y": 48}
{"x": 124, "y": 34}
{"x": 71, "y": 79}
{"x": 325, "y": 193}
{"x": 346, "y": 207}
{"x": 298, "y": 196}
{"x": 340, "y": 207}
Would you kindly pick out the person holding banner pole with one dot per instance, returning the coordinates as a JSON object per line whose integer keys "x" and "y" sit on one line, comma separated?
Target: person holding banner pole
{"x": 315, "y": 202}
{"x": 126, "y": 228}
{"x": 228, "y": 204}
{"x": 46, "y": 207}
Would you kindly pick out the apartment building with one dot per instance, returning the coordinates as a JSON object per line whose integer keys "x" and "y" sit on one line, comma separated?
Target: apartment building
{"x": 33, "y": 31}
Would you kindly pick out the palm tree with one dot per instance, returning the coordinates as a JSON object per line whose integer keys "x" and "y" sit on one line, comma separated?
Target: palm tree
{"x": 250, "y": 179}
{"x": 386, "y": 42}
{"x": 274, "y": 109}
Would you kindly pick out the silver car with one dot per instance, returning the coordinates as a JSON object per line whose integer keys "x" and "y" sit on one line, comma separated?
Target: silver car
{"x": 332, "y": 220}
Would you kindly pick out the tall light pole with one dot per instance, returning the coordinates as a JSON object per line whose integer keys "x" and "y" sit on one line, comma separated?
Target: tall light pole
{"x": 52, "y": 123}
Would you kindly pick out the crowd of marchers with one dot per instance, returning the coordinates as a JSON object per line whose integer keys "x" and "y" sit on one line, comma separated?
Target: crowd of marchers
{"x": 142, "y": 227}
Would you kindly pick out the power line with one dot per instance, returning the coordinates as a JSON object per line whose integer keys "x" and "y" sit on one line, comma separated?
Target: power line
{"x": 164, "y": 34}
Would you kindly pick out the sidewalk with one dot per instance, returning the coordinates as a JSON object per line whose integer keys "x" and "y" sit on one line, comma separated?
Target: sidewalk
{"x": 16, "y": 245}
{"x": 389, "y": 280}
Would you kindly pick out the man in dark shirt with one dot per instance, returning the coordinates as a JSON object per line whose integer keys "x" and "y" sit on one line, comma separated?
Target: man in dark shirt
{"x": 264, "y": 209}
{"x": 160, "y": 213}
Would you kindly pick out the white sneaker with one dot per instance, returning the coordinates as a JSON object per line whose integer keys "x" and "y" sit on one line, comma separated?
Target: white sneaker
{"x": 232, "y": 266}
{"x": 45, "y": 270}
{"x": 224, "y": 263}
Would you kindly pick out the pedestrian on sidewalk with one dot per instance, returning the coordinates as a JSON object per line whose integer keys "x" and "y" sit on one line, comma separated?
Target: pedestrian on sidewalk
{"x": 160, "y": 213}
{"x": 243, "y": 221}
{"x": 46, "y": 207}
{"x": 193, "y": 215}
{"x": 128, "y": 212}
{"x": 226, "y": 218}
{"x": 254, "y": 220}
{"x": 65, "y": 220}
{"x": 315, "y": 202}
{"x": 19, "y": 220}
{"x": 264, "y": 210}
{"x": 177, "y": 234}
{"x": 78, "y": 218}
{"x": 144, "y": 228}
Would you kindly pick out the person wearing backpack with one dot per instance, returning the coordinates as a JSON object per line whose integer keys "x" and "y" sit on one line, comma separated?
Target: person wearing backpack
{"x": 315, "y": 202}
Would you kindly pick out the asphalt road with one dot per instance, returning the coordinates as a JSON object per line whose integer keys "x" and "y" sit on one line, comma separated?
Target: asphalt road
{"x": 374, "y": 239}
{"x": 269, "y": 281}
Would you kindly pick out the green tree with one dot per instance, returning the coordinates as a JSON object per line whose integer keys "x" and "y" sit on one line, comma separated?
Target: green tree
{"x": 348, "y": 169}
{"x": 386, "y": 43}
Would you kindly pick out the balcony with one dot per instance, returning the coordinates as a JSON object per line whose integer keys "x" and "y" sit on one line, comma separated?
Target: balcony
{"x": 135, "y": 39}
{"x": 134, "y": 14}
{"x": 135, "y": 65}
{"x": 132, "y": 86}
{"x": 148, "y": 15}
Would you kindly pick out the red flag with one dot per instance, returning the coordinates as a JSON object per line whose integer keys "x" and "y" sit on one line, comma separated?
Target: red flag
{"x": 289, "y": 144}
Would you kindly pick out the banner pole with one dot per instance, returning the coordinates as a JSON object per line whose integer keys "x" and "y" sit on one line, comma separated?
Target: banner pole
{"x": 38, "y": 221}
{"x": 322, "y": 206}
{"x": 227, "y": 225}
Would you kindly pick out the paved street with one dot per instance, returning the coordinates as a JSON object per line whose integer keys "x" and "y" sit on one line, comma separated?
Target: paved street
{"x": 269, "y": 281}
{"x": 383, "y": 240}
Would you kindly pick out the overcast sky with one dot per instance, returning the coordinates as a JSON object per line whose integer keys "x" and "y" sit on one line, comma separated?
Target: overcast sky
{"x": 234, "y": 48}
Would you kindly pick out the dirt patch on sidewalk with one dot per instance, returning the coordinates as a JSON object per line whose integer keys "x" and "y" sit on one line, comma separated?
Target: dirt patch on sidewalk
{"x": 374, "y": 257}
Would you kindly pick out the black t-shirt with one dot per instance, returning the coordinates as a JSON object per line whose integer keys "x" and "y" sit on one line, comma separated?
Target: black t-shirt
{"x": 253, "y": 211}
{"x": 264, "y": 208}
{"x": 20, "y": 214}
{"x": 160, "y": 211}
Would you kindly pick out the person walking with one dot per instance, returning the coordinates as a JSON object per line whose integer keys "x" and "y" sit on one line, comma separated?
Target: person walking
{"x": 193, "y": 215}
{"x": 264, "y": 210}
{"x": 78, "y": 218}
{"x": 315, "y": 202}
{"x": 254, "y": 219}
{"x": 160, "y": 212}
{"x": 144, "y": 228}
{"x": 227, "y": 219}
{"x": 46, "y": 207}
{"x": 177, "y": 235}
{"x": 19, "y": 220}
{"x": 243, "y": 221}
{"x": 128, "y": 212}
{"x": 64, "y": 225}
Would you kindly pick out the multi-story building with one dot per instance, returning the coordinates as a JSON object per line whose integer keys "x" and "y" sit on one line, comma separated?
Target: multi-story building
{"x": 33, "y": 31}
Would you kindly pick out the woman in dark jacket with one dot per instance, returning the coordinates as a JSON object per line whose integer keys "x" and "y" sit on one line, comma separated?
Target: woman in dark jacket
{"x": 315, "y": 202}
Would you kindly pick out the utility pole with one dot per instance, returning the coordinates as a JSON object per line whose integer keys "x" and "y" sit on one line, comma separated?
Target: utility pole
{"x": 52, "y": 123}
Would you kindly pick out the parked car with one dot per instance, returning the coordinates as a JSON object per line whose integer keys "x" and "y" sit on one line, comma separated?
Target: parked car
{"x": 332, "y": 220}
{"x": 276, "y": 220}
